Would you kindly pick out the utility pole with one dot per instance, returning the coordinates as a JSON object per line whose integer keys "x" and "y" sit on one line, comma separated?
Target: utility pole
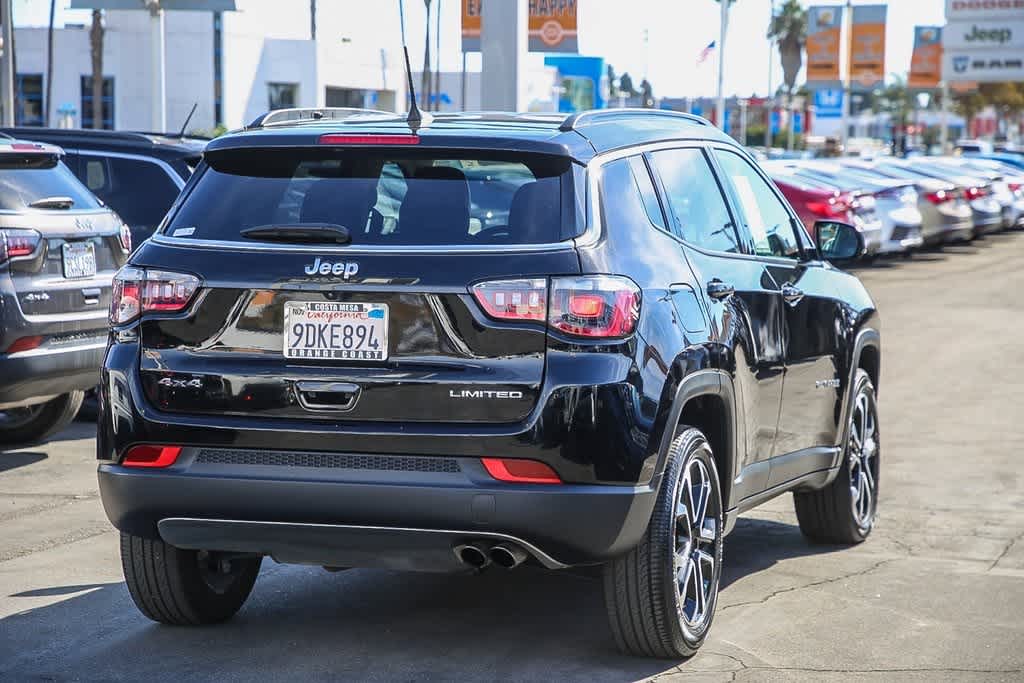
{"x": 847, "y": 41}
{"x": 158, "y": 64}
{"x": 723, "y": 27}
{"x": 7, "y": 77}
{"x": 944, "y": 117}
{"x": 770, "y": 101}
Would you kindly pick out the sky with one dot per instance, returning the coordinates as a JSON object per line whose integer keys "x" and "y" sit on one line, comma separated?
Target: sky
{"x": 676, "y": 32}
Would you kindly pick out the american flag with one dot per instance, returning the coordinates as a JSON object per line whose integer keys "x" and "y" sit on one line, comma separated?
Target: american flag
{"x": 705, "y": 53}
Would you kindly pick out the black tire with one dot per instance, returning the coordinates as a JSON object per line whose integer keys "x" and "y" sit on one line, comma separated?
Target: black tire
{"x": 648, "y": 616}
{"x": 185, "y": 587}
{"x": 829, "y": 515}
{"x": 36, "y": 423}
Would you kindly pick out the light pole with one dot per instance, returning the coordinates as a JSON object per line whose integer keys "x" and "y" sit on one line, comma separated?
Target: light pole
{"x": 7, "y": 78}
{"x": 722, "y": 29}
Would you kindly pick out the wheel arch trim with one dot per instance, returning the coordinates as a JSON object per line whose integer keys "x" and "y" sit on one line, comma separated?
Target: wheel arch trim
{"x": 707, "y": 382}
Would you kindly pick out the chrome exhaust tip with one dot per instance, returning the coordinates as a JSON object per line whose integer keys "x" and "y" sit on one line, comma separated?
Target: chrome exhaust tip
{"x": 508, "y": 556}
{"x": 472, "y": 555}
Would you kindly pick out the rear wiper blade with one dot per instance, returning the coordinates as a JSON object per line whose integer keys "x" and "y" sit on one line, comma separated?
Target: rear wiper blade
{"x": 302, "y": 233}
{"x": 53, "y": 203}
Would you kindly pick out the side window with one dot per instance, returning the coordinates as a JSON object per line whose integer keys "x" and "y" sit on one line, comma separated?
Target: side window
{"x": 621, "y": 200}
{"x": 696, "y": 207}
{"x": 765, "y": 216}
{"x": 642, "y": 176}
{"x": 139, "y": 191}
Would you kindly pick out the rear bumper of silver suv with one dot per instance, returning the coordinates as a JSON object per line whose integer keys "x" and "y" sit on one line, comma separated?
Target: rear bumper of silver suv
{"x": 50, "y": 370}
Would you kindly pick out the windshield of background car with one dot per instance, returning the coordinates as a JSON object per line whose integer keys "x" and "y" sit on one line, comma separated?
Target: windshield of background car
{"x": 27, "y": 178}
{"x": 387, "y": 198}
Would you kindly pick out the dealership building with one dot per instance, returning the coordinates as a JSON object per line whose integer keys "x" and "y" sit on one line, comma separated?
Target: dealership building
{"x": 232, "y": 66}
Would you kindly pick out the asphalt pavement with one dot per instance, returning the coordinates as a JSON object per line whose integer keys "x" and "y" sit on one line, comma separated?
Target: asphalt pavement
{"x": 936, "y": 593}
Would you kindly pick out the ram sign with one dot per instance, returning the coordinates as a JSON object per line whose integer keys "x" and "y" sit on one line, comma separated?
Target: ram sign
{"x": 983, "y": 41}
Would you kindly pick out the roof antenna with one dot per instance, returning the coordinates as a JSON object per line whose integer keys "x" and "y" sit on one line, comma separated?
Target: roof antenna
{"x": 416, "y": 118}
{"x": 188, "y": 118}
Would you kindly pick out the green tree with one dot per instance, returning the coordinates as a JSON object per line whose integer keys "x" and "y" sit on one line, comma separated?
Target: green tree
{"x": 788, "y": 28}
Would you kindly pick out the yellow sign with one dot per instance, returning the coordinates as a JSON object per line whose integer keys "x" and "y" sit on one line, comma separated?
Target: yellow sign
{"x": 824, "y": 25}
{"x": 867, "y": 46}
{"x": 926, "y": 60}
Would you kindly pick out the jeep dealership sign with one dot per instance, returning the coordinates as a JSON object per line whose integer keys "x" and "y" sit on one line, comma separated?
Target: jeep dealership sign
{"x": 983, "y": 40}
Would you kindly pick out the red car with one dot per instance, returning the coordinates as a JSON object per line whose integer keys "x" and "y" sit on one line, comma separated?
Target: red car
{"x": 815, "y": 201}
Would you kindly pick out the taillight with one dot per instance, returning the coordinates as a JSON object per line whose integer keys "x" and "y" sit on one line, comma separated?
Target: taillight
{"x": 833, "y": 208}
{"x": 1015, "y": 187}
{"x": 940, "y": 197}
{"x": 591, "y": 306}
{"x": 514, "y": 299}
{"x": 601, "y": 306}
{"x": 148, "y": 455}
{"x": 138, "y": 291}
{"x": 976, "y": 192}
{"x": 16, "y": 242}
{"x": 125, "y": 237}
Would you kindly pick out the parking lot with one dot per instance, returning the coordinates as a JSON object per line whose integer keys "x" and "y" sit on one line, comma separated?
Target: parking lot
{"x": 937, "y": 593}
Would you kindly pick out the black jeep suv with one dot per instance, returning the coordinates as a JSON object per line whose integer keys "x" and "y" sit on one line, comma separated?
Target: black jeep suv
{"x": 490, "y": 340}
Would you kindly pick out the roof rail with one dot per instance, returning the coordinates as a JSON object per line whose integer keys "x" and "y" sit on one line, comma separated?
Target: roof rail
{"x": 591, "y": 116}
{"x": 295, "y": 115}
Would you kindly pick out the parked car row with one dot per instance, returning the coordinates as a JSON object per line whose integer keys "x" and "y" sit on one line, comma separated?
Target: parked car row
{"x": 72, "y": 204}
{"x": 902, "y": 205}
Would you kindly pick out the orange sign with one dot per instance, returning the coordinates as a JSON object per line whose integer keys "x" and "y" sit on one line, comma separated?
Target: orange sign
{"x": 926, "y": 60}
{"x": 824, "y": 25}
{"x": 867, "y": 46}
{"x": 552, "y": 25}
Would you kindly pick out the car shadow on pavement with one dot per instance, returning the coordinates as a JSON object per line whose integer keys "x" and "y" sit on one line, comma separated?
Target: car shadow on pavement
{"x": 302, "y": 623}
{"x": 758, "y": 544}
{"x": 10, "y": 460}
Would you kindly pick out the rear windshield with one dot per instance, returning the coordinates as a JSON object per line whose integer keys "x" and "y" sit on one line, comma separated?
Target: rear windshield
{"x": 30, "y": 177}
{"x": 385, "y": 198}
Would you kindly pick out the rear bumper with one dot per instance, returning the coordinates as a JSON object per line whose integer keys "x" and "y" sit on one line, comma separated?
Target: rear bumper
{"x": 384, "y": 517}
{"x": 39, "y": 374}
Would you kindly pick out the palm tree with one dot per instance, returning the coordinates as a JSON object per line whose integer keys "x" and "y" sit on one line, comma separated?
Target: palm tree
{"x": 788, "y": 29}
{"x": 425, "y": 80}
{"x": 49, "y": 65}
{"x": 96, "y": 50}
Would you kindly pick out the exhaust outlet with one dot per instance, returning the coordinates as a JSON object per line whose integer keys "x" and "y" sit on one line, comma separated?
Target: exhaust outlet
{"x": 472, "y": 555}
{"x": 508, "y": 556}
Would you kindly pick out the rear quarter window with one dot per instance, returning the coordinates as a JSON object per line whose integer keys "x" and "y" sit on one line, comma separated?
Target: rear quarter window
{"x": 418, "y": 198}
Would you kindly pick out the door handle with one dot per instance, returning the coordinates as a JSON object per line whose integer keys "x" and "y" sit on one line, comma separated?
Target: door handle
{"x": 720, "y": 291}
{"x": 792, "y": 295}
{"x": 327, "y": 396}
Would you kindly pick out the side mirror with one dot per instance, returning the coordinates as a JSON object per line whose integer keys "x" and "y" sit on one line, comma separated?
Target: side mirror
{"x": 838, "y": 242}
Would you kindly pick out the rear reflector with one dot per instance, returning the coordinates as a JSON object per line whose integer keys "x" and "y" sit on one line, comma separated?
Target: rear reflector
{"x": 148, "y": 455}
{"x": 349, "y": 139}
{"x": 25, "y": 344}
{"x": 519, "y": 471}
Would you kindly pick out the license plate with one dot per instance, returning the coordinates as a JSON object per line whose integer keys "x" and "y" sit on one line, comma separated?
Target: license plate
{"x": 335, "y": 331}
{"x": 79, "y": 260}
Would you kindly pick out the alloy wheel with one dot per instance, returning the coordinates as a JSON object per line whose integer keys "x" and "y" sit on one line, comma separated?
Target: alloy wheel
{"x": 863, "y": 460}
{"x": 696, "y": 540}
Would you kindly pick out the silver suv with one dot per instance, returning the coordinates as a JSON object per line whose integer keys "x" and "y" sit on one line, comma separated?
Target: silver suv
{"x": 59, "y": 248}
